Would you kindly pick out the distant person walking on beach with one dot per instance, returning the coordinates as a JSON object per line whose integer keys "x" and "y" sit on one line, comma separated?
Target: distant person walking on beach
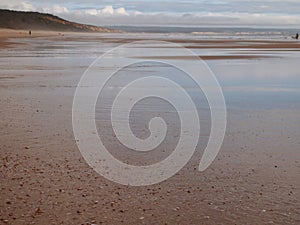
{"x": 296, "y": 36}
{"x": 29, "y": 32}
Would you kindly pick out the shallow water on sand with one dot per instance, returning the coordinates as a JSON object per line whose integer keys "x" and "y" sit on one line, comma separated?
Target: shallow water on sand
{"x": 272, "y": 73}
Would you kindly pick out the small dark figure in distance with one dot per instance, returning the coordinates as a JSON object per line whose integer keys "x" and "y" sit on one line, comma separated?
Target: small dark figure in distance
{"x": 297, "y": 36}
{"x": 30, "y": 32}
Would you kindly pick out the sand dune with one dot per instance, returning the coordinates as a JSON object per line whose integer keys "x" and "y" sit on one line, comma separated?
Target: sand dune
{"x": 41, "y": 21}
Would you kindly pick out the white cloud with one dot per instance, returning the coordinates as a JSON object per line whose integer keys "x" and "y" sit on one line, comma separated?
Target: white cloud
{"x": 27, "y": 6}
{"x": 17, "y": 5}
{"x": 92, "y": 12}
{"x": 109, "y": 10}
{"x": 106, "y": 11}
{"x": 57, "y": 9}
{"x": 121, "y": 11}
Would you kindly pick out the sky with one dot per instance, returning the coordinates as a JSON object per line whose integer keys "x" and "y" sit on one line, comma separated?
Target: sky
{"x": 281, "y": 13}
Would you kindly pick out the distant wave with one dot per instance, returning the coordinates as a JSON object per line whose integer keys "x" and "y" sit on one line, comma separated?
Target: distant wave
{"x": 214, "y": 31}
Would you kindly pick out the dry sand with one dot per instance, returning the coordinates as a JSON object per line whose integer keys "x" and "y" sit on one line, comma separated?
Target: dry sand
{"x": 45, "y": 180}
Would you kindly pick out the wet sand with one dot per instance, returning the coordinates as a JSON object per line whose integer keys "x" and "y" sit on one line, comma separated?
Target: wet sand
{"x": 205, "y": 57}
{"x": 45, "y": 180}
{"x": 6, "y": 36}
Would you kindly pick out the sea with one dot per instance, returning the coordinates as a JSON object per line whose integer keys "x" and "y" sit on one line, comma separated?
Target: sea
{"x": 216, "y": 32}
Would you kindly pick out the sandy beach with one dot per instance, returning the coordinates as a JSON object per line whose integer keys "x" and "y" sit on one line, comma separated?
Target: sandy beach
{"x": 45, "y": 180}
{"x": 6, "y": 34}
